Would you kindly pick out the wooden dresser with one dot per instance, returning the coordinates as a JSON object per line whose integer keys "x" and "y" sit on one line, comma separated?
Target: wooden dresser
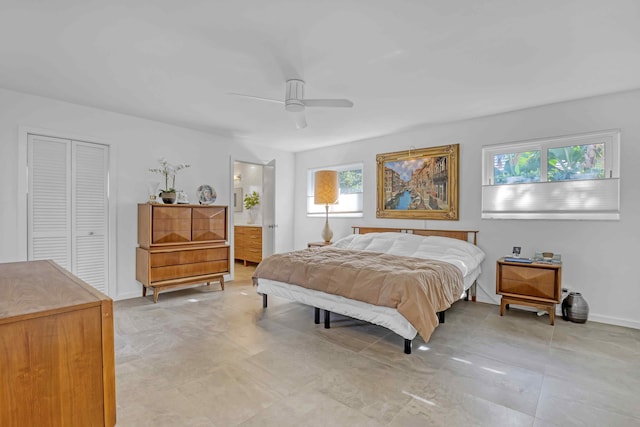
{"x": 56, "y": 349}
{"x": 181, "y": 245}
{"x": 248, "y": 243}
{"x": 536, "y": 285}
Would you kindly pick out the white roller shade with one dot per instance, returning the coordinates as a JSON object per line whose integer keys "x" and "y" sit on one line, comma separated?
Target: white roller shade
{"x": 588, "y": 199}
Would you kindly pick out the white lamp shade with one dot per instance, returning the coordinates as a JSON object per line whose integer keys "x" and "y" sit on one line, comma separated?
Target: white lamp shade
{"x": 326, "y": 189}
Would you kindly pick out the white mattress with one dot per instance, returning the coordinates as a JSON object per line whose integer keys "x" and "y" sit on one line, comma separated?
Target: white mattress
{"x": 464, "y": 255}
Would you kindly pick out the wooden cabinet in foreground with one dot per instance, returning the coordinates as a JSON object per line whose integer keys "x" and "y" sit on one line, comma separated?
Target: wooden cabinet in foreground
{"x": 536, "y": 285}
{"x": 56, "y": 349}
{"x": 181, "y": 245}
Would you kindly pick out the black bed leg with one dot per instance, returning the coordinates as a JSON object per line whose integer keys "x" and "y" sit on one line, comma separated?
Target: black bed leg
{"x": 264, "y": 300}
{"x": 466, "y": 295}
{"x": 327, "y": 319}
{"x": 407, "y": 346}
{"x": 316, "y": 315}
{"x": 441, "y": 317}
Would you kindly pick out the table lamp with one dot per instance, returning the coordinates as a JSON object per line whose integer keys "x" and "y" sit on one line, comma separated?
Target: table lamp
{"x": 326, "y": 192}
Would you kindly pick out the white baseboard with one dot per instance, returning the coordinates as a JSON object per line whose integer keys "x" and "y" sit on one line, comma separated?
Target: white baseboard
{"x": 486, "y": 297}
{"x": 614, "y": 321}
{"x": 129, "y": 295}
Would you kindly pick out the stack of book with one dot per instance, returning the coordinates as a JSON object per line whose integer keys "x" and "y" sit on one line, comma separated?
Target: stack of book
{"x": 522, "y": 260}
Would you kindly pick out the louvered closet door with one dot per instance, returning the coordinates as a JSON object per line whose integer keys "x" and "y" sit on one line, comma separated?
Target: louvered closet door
{"x": 49, "y": 222}
{"x": 68, "y": 206}
{"x": 89, "y": 246}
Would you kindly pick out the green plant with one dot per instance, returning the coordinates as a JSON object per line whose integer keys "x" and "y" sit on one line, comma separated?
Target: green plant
{"x": 168, "y": 171}
{"x": 251, "y": 200}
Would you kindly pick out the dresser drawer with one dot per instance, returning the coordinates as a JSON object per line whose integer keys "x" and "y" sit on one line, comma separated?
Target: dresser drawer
{"x": 187, "y": 270}
{"x": 162, "y": 259}
{"x": 253, "y": 244}
{"x": 253, "y": 255}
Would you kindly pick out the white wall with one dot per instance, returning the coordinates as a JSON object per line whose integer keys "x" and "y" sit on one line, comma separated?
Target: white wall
{"x": 599, "y": 257}
{"x": 136, "y": 144}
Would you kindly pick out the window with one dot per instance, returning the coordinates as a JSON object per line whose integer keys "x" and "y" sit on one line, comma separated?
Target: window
{"x": 350, "y": 202}
{"x": 568, "y": 177}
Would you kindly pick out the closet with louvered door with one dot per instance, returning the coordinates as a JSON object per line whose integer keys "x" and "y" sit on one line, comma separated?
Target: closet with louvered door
{"x": 68, "y": 206}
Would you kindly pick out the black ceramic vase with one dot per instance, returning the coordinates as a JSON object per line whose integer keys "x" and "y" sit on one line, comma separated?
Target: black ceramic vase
{"x": 168, "y": 197}
{"x": 575, "y": 308}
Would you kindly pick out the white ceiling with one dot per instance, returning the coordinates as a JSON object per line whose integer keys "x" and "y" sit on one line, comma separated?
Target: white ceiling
{"x": 402, "y": 62}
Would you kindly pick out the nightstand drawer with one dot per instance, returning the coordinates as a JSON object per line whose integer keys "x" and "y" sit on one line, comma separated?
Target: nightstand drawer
{"x": 527, "y": 281}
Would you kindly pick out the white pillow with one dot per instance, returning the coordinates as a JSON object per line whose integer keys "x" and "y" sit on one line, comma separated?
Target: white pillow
{"x": 466, "y": 256}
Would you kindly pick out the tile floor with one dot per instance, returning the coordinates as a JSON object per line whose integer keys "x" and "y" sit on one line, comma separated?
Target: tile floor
{"x": 206, "y": 357}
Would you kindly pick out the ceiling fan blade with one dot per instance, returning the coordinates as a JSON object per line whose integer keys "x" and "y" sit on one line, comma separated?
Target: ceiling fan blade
{"x": 343, "y": 103}
{"x": 300, "y": 119}
{"x": 259, "y": 98}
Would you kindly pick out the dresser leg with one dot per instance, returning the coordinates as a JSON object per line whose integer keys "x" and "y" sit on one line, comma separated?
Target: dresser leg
{"x": 222, "y": 282}
{"x": 144, "y": 291}
{"x": 156, "y": 292}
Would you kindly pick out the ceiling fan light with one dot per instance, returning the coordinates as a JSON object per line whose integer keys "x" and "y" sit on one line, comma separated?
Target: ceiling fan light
{"x": 300, "y": 120}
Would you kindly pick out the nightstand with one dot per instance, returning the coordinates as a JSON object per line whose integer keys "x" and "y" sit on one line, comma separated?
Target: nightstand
{"x": 318, "y": 244}
{"x": 536, "y": 285}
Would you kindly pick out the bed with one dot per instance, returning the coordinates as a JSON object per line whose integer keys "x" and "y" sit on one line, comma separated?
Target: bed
{"x": 401, "y": 279}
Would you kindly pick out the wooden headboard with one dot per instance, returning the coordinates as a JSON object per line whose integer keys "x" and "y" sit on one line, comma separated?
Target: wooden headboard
{"x": 466, "y": 235}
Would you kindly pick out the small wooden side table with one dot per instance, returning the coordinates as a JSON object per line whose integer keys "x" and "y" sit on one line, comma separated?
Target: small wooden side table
{"x": 536, "y": 285}
{"x": 318, "y": 244}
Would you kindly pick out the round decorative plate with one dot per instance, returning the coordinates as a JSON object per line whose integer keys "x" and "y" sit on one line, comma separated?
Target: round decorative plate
{"x": 206, "y": 194}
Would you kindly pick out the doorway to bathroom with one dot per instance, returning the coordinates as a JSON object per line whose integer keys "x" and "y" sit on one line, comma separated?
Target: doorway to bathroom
{"x": 253, "y": 211}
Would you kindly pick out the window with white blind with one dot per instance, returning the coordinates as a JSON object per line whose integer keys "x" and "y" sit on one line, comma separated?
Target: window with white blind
{"x": 68, "y": 206}
{"x": 567, "y": 177}
{"x": 350, "y": 201}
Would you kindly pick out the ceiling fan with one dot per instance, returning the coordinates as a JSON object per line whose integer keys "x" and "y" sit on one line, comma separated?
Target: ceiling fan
{"x": 295, "y": 102}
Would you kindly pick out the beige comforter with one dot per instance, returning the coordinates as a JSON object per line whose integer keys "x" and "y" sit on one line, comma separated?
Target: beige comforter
{"x": 417, "y": 288}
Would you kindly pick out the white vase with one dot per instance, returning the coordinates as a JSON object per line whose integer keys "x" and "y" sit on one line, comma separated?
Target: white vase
{"x": 251, "y": 214}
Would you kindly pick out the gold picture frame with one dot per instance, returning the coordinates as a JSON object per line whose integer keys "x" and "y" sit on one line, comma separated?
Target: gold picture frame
{"x": 418, "y": 184}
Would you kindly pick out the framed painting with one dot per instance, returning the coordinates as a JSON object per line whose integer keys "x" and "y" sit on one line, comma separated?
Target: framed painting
{"x": 418, "y": 184}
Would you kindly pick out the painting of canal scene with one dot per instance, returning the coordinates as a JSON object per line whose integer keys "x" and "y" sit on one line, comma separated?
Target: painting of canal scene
{"x": 418, "y": 183}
